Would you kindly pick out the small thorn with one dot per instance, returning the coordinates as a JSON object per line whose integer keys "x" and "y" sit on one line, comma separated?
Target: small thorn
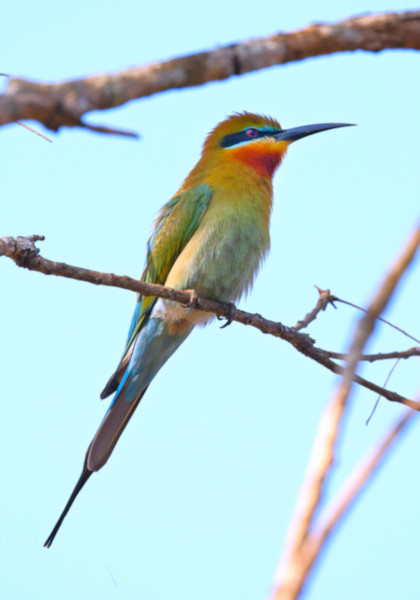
{"x": 326, "y": 295}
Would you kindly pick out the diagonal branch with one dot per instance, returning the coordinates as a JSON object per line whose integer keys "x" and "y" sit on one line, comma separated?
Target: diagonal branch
{"x": 64, "y": 104}
{"x": 23, "y": 252}
{"x": 299, "y": 555}
{"x": 346, "y": 497}
{"x": 357, "y": 480}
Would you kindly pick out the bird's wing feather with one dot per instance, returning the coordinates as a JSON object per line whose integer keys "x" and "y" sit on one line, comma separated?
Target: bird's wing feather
{"x": 174, "y": 227}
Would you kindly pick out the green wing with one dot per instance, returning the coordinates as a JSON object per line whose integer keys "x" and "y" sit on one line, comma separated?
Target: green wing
{"x": 173, "y": 229}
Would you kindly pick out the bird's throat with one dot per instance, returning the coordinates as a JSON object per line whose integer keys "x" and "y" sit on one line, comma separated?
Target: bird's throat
{"x": 263, "y": 159}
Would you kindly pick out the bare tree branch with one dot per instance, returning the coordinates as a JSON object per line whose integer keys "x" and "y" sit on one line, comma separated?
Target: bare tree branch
{"x": 301, "y": 551}
{"x": 346, "y": 497}
{"x": 63, "y": 104}
{"x": 415, "y": 351}
{"x": 357, "y": 481}
{"x": 24, "y": 253}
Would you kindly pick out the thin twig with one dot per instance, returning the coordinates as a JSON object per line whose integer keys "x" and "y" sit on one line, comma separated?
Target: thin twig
{"x": 415, "y": 351}
{"x": 375, "y": 406}
{"x": 326, "y": 298}
{"x": 24, "y": 253}
{"x": 64, "y": 104}
{"x": 109, "y": 130}
{"x": 33, "y": 131}
{"x": 335, "y": 299}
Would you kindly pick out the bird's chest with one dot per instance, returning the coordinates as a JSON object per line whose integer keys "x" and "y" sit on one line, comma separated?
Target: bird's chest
{"x": 223, "y": 255}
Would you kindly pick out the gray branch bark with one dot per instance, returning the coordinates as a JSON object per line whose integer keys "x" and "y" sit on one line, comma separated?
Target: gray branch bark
{"x": 64, "y": 104}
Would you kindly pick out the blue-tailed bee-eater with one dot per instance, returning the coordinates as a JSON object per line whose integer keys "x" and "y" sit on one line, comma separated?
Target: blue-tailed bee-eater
{"x": 211, "y": 238}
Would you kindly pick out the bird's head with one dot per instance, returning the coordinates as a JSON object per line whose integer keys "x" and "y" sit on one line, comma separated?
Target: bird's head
{"x": 256, "y": 141}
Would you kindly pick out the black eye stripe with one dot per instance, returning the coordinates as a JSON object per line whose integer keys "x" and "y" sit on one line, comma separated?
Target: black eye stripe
{"x": 236, "y": 138}
{"x": 243, "y": 136}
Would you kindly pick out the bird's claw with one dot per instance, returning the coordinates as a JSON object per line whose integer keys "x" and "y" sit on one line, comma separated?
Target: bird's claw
{"x": 193, "y": 301}
{"x": 231, "y": 315}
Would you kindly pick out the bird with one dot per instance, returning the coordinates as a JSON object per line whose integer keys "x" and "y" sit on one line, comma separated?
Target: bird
{"x": 209, "y": 239}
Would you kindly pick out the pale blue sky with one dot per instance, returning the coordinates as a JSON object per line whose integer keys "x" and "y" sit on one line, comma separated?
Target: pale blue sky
{"x": 196, "y": 498}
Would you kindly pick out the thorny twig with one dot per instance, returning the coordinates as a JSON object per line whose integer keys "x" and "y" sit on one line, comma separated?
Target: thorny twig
{"x": 24, "y": 253}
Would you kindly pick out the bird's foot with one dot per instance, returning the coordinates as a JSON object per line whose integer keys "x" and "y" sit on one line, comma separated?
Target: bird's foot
{"x": 193, "y": 302}
{"x": 231, "y": 315}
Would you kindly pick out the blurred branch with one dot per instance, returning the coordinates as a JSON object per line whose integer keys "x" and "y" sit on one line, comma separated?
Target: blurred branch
{"x": 63, "y": 104}
{"x": 345, "y": 498}
{"x": 355, "y": 483}
{"x": 23, "y": 252}
{"x": 303, "y": 546}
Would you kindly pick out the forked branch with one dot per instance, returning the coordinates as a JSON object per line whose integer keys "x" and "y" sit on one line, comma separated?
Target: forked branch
{"x": 307, "y": 536}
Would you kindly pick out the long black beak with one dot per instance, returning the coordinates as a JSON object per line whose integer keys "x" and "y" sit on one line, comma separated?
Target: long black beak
{"x": 296, "y": 133}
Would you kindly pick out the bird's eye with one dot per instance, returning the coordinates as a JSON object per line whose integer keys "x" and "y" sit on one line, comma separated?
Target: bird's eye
{"x": 251, "y": 133}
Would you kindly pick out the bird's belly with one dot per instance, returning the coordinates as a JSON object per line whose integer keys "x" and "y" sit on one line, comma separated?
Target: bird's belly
{"x": 219, "y": 263}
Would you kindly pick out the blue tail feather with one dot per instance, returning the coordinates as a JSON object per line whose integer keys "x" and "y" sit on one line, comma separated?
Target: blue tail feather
{"x": 152, "y": 348}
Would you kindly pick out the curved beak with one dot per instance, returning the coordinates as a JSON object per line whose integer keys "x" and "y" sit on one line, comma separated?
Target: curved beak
{"x": 296, "y": 133}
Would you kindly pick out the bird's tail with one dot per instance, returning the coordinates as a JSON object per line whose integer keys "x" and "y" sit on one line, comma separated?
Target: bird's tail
{"x": 81, "y": 482}
{"x": 152, "y": 349}
{"x": 102, "y": 444}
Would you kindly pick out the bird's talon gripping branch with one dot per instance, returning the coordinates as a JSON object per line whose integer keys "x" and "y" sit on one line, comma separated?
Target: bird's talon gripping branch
{"x": 193, "y": 302}
{"x": 232, "y": 314}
